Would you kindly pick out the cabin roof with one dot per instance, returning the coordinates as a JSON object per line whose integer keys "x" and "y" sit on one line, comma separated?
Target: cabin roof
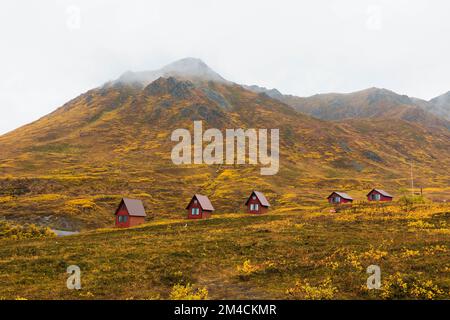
{"x": 203, "y": 201}
{"x": 261, "y": 197}
{"x": 134, "y": 207}
{"x": 382, "y": 192}
{"x": 341, "y": 194}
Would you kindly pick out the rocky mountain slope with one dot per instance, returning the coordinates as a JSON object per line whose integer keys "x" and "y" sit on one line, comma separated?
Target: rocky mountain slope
{"x": 369, "y": 104}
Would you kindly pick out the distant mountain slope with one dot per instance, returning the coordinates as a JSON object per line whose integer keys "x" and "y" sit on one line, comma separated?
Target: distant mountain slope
{"x": 441, "y": 106}
{"x": 366, "y": 104}
{"x": 70, "y": 168}
{"x": 273, "y": 93}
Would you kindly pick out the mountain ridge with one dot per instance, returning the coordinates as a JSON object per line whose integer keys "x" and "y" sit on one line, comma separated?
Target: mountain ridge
{"x": 434, "y": 112}
{"x": 366, "y": 103}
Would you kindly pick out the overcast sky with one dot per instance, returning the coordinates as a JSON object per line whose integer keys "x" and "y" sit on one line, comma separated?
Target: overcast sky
{"x": 52, "y": 51}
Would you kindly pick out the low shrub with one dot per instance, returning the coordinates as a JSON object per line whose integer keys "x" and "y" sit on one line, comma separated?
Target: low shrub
{"x": 12, "y": 231}
{"x": 187, "y": 292}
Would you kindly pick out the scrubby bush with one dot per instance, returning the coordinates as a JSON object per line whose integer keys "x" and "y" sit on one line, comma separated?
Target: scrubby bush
{"x": 246, "y": 270}
{"x": 304, "y": 291}
{"x": 12, "y": 231}
{"x": 400, "y": 286}
{"x": 187, "y": 292}
{"x": 407, "y": 202}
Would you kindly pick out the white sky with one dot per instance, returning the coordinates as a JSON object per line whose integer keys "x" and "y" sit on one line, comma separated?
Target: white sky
{"x": 53, "y": 50}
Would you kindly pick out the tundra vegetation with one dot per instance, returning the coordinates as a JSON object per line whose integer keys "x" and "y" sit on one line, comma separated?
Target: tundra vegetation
{"x": 14, "y": 231}
{"x": 299, "y": 254}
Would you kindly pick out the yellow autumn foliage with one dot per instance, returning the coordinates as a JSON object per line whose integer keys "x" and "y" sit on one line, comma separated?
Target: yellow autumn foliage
{"x": 187, "y": 292}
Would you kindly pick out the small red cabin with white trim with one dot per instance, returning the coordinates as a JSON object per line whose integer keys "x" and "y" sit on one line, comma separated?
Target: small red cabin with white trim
{"x": 379, "y": 195}
{"x": 339, "y": 198}
{"x": 199, "y": 207}
{"x": 130, "y": 213}
{"x": 257, "y": 203}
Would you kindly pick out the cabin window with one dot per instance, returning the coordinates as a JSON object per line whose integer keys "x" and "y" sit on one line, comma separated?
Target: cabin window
{"x": 376, "y": 196}
{"x": 253, "y": 197}
{"x": 195, "y": 201}
{"x": 195, "y": 211}
{"x": 123, "y": 219}
{"x": 256, "y": 207}
{"x": 337, "y": 199}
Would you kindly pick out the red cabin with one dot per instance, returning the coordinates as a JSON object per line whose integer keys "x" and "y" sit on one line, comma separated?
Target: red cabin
{"x": 339, "y": 198}
{"x": 199, "y": 207}
{"x": 130, "y": 213}
{"x": 257, "y": 203}
{"x": 379, "y": 195}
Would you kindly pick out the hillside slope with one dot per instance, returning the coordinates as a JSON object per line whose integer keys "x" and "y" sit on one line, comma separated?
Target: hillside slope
{"x": 70, "y": 168}
{"x": 293, "y": 255}
{"x": 371, "y": 103}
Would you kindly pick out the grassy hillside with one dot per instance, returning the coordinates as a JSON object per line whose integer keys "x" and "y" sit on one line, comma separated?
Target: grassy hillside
{"x": 69, "y": 169}
{"x": 311, "y": 254}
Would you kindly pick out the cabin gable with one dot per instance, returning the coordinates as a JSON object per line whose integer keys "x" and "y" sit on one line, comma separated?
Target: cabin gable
{"x": 257, "y": 203}
{"x": 199, "y": 207}
{"x": 125, "y": 218}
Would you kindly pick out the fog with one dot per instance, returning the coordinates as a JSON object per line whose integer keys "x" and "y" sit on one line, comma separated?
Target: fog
{"x": 53, "y": 51}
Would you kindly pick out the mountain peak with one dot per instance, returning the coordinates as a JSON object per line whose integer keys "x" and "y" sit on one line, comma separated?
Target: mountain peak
{"x": 376, "y": 90}
{"x": 381, "y": 95}
{"x": 189, "y": 63}
{"x": 192, "y": 69}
